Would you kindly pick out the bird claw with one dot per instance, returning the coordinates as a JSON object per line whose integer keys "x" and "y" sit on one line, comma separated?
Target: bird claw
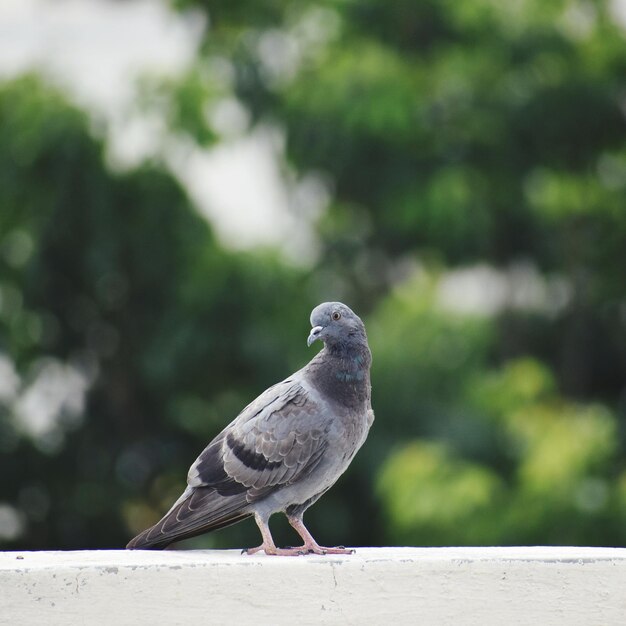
{"x": 309, "y": 547}
{"x": 273, "y": 551}
{"x": 322, "y": 550}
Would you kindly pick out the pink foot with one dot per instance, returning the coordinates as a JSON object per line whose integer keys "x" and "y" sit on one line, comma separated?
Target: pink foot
{"x": 274, "y": 551}
{"x": 315, "y": 549}
{"x": 298, "y": 551}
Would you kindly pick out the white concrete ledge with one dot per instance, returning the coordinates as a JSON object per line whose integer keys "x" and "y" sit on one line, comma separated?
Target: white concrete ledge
{"x": 426, "y": 586}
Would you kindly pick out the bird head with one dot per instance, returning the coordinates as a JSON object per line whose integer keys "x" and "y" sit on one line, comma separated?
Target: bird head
{"x": 334, "y": 323}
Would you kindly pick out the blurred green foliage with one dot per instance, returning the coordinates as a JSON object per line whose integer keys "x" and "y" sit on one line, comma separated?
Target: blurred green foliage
{"x": 476, "y": 158}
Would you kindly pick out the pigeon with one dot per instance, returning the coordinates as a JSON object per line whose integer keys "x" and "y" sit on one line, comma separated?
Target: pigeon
{"x": 285, "y": 449}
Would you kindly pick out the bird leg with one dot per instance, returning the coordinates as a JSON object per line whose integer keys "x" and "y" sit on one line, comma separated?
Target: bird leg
{"x": 268, "y": 546}
{"x": 310, "y": 545}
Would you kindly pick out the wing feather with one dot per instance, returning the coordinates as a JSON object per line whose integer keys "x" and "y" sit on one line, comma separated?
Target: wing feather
{"x": 276, "y": 445}
{"x": 275, "y": 441}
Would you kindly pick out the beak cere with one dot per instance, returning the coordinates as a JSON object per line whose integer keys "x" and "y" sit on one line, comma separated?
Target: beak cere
{"x": 314, "y": 335}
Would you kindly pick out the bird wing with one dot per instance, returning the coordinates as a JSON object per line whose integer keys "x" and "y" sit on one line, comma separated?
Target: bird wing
{"x": 277, "y": 439}
{"x": 274, "y": 441}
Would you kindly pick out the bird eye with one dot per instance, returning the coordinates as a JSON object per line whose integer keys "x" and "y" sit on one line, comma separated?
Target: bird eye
{"x": 336, "y": 315}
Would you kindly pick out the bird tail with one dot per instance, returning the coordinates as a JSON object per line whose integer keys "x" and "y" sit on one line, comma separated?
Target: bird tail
{"x": 198, "y": 511}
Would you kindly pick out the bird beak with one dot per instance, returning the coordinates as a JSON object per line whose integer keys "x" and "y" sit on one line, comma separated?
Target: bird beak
{"x": 314, "y": 335}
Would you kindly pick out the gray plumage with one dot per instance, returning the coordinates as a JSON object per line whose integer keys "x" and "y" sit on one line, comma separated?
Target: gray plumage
{"x": 286, "y": 448}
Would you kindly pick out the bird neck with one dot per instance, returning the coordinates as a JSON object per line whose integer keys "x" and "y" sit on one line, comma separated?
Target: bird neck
{"x": 351, "y": 362}
{"x": 343, "y": 372}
